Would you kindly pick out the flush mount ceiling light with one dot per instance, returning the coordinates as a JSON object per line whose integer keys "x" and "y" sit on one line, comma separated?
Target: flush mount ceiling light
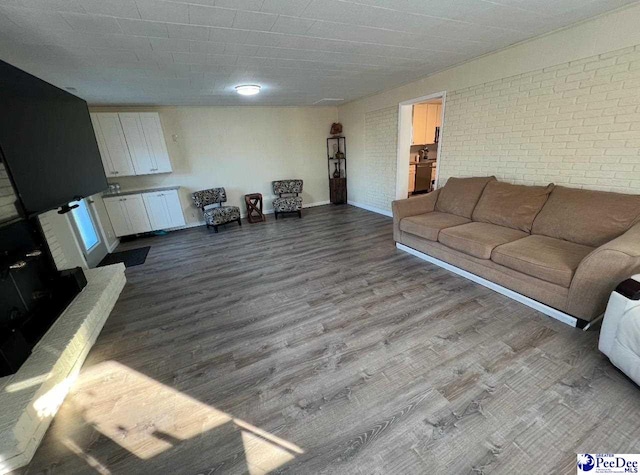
{"x": 248, "y": 89}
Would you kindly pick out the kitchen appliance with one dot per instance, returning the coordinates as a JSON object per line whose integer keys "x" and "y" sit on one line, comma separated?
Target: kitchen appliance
{"x": 425, "y": 176}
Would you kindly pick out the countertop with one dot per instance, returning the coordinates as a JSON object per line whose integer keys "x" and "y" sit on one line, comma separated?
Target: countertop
{"x": 135, "y": 192}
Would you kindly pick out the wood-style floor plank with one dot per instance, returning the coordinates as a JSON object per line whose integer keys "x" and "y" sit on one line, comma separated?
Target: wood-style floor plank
{"x": 314, "y": 346}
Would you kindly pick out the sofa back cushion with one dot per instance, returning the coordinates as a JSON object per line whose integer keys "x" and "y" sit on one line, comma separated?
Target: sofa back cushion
{"x": 513, "y": 206}
{"x": 460, "y": 195}
{"x": 587, "y": 217}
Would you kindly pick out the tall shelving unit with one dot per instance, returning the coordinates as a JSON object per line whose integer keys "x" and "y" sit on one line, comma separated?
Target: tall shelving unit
{"x": 337, "y": 165}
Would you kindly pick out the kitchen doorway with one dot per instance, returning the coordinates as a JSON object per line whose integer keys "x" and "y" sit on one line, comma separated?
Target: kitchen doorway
{"x": 419, "y": 139}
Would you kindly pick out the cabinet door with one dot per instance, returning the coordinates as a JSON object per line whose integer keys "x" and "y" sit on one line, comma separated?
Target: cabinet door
{"x": 174, "y": 208}
{"x": 118, "y": 216}
{"x": 136, "y": 214}
{"x": 102, "y": 147}
{"x": 156, "y": 209}
{"x": 419, "y": 123}
{"x": 164, "y": 209}
{"x": 412, "y": 178}
{"x": 430, "y": 129}
{"x": 155, "y": 141}
{"x": 114, "y": 145}
{"x": 138, "y": 148}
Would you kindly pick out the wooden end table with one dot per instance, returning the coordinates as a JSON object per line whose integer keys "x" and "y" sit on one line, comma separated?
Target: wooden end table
{"x": 254, "y": 208}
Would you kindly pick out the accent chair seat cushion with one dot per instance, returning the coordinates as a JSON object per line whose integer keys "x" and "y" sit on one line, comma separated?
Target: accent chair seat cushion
{"x": 429, "y": 225}
{"x": 221, "y": 215}
{"x": 287, "y": 204}
{"x": 478, "y": 239}
{"x": 543, "y": 257}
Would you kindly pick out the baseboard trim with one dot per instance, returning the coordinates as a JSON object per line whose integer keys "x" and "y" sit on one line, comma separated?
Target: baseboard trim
{"x": 115, "y": 244}
{"x": 371, "y": 208}
{"x": 244, "y": 215}
{"x": 529, "y": 302}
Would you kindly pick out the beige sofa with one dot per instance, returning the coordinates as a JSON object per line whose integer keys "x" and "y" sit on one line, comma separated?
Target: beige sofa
{"x": 567, "y": 248}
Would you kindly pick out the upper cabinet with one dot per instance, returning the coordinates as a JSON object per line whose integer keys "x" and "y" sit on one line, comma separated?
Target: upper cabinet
{"x": 426, "y": 117}
{"x": 112, "y": 144}
{"x": 131, "y": 143}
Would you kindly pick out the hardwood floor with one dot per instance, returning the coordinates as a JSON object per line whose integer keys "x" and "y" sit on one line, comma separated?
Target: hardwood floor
{"x": 314, "y": 346}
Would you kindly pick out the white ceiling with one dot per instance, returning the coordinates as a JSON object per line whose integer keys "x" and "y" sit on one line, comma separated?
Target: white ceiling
{"x": 193, "y": 52}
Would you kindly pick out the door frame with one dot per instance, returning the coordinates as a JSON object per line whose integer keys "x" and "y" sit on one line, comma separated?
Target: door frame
{"x": 405, "y": 135}
{"x": 91, "y": 261}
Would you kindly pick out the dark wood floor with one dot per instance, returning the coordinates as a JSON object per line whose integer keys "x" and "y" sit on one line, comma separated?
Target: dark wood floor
{"x": 314, "y": 346}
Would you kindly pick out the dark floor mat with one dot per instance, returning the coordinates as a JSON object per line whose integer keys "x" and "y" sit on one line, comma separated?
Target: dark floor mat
{"x": 133, "y": 257}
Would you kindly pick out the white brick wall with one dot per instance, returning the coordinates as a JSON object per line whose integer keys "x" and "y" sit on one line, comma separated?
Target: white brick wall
{"x": 30, "y": 398}
{"x": 575, "y": 124}
{"x": 55, "y": 247}
{"x": 381, "y": 138}
{"x": 7, "y": 196}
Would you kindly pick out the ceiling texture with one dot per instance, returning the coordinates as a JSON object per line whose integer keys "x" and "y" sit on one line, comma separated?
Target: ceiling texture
{"x": 302, "y": 52}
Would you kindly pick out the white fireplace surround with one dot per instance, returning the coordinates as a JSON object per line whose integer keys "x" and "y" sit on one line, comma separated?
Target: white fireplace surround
{"x": 30, "y": 398}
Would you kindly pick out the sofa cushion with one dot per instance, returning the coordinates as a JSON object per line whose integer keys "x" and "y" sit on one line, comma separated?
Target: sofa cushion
{"x": 513, "y": 206}
{"x": 460, "y": 195}
{"x": 478, "y": 239}
{"x": 543, "y": 257}
{"x": 428, "y": 225}
{"x": 587, "y": 217}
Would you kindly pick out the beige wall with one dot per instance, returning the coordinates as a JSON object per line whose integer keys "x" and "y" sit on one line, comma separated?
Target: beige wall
{"x": 242, "y": 149}
{"x": 586, "y": 42}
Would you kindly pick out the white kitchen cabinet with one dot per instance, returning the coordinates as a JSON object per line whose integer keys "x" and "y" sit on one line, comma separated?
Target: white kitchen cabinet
{"x": 128, "y": 214}
{"x": 131, "y": 143}
{"x": 164, "y": 209}
{"x": 152, "y": 129}
{"x": 137, "y": 143}
{"x": 112, "y": 145}
{"x": 144, "y": 211}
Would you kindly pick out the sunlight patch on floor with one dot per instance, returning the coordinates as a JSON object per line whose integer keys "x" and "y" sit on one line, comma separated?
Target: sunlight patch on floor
{"x": 146, "y": 417}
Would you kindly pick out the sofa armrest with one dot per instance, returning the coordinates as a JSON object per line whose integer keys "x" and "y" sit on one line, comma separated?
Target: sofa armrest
{"x": 411, "y": 207}
{"x": 601, "y": 271}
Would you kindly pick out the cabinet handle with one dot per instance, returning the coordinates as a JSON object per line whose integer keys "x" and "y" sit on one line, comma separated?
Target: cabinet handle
{"x": 18, "y": 265}
{"x": 116, "y": 172}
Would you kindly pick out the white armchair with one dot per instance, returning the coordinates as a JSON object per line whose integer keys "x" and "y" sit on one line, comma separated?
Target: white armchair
{"x": 620, "y": 334}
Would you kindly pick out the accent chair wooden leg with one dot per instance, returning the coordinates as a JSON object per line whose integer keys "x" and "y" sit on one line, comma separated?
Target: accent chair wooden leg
{"x": 239, "y": 222}
{"x": 299, "y": 213}
{"x": 215, "y": 228}
{"x": 276, "y": 214}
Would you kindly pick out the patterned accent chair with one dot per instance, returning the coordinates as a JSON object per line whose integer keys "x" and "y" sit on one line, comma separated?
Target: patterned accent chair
{"x": 288, "y": 200}
{"x": 216, "y": 216}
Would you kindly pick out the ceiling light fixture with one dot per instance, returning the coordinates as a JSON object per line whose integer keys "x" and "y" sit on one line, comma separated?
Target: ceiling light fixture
{"x": 248, "y": 89}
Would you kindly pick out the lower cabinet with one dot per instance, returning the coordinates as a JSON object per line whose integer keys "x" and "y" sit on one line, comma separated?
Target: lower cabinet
{"x": 144, "y": 212}
{"x": 164, "y": 209}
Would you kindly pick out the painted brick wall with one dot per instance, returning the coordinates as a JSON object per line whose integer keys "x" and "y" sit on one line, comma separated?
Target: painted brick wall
{"x": 55, "y": 247}
{"x": 575, "y": 124}
{"x": 381, "y": 138}
{"x": 7, "y": 196}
